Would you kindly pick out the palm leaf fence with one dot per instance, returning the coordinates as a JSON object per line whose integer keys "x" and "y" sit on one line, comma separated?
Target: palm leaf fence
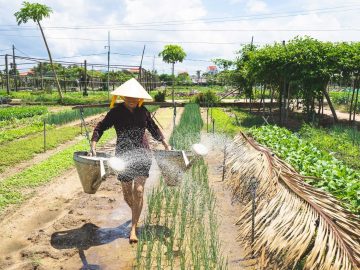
{"x": 294, "y": 225}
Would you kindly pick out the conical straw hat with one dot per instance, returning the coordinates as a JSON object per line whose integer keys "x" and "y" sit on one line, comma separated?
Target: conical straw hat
{"x": 131, "y": 88}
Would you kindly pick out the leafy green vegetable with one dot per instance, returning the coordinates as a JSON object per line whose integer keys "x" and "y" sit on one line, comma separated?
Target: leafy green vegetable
{"x": 21, "y": 112}
{"x": 335, "y": 177}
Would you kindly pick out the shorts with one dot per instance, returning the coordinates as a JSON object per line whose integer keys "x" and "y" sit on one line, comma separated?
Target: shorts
{"x": 137, "y": 163}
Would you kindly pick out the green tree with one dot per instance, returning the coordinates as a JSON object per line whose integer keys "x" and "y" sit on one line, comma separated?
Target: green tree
{"x": 223, "y": 64}
{"x": 167, "y": 78}
{"x": 172, "y": 54}
{"x": 37, "y": 12}
{"x": 183, "y": 78}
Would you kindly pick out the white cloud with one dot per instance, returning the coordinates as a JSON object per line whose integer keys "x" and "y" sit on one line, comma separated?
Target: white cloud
{"x": 145, "y": 13}
{"x": 256, "y": 6}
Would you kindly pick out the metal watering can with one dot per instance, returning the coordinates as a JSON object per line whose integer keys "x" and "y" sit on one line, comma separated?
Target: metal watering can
{"x": 173, "y": 165}
{"x": 91, "y": 170}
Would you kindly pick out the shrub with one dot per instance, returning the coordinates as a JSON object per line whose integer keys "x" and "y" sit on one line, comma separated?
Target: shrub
{"x": 160, "y": 96}
{"x": 209, "y": 97}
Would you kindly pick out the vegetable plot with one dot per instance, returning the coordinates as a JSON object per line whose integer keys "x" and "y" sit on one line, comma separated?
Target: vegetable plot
{"x": 21, "y": 112}
{"x": 180, "y": 230}
{"x": 334, "y": 177}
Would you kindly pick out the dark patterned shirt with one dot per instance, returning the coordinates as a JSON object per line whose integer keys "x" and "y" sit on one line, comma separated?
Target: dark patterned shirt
{"x": 130, "y": 127}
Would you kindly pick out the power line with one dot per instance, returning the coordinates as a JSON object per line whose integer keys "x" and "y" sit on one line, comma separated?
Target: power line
{"x": 152, "y": 56}
{"x": 148, "y": 41}
{"x": 141, "y": 41}
{"x": 22, "y": 52}
{"x": 211, "y": 20}
{"x": 3, "y": 50}
{"x": 83, "y": 55}
{"x": 237, "y": 30}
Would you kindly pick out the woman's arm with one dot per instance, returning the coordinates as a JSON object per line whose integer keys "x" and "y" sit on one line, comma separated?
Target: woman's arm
{"x": 93, "y": 148}
{"x": 165, "y": 144}
{"x": 103, "y": 125}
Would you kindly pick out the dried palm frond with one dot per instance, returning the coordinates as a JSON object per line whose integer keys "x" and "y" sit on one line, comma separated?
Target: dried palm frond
{"x": 296, "y": 225}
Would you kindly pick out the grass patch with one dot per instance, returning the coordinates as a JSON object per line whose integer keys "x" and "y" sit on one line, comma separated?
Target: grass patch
{"x": 342, "y": 142}
{"x": 24, "y": 149}
{"x": 231, "y": 121}
{"x": 152, "y": 108}
{"x": 223, "y": 122}
{"x": 188, "y": 131}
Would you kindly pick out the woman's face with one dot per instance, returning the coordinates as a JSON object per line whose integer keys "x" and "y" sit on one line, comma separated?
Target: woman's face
{"x": 131, "y": 102}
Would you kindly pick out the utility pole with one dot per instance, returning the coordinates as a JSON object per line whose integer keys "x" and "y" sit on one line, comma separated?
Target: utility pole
{"x": 64, "y": 77}
{"x": 14, "y": 67}
{"x": 108, "y": 66}
{"x": 41, "y": 75}
{"x": 153, "y": 65}
{"x": 173, "y": 95}
{"x": 140, "y": 68}
{"x": 92, "y": 78}
{"x": 85, "y": 79}
{"x": 7, "y": 74}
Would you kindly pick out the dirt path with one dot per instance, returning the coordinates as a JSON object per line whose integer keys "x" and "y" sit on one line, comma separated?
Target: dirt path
{"x": 227, "y": 212}
{"x": 61, "y": 227}
{"x": 340, "y": 115}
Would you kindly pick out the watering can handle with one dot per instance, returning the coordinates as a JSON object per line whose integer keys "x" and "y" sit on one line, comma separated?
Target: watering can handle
{"x": 86, "y": 130}
{"x": 102, "y": 174}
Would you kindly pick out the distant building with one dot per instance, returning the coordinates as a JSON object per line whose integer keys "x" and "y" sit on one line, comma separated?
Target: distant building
{"x": 134, "y": 70}
{"x": 197, "y": 80}
{"x": 27, "y": 73}
{"x": 212, "y": 70}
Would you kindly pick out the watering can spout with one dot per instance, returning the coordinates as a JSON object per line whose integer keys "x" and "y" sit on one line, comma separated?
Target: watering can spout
{"x": 186, "y": 160}
{"x": 173, "y": 164}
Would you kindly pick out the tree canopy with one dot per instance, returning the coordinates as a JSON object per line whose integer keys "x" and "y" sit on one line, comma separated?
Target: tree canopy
{"x": 32, "y": 11}
{"x": 172, "y": 54}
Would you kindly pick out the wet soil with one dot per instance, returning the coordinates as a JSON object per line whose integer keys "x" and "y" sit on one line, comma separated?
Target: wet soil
{"x": 227, "y": 210}
{"x": 61, "y": 227}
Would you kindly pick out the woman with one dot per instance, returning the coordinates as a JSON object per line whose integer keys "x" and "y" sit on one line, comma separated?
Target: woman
{"x": 130, "y": 120}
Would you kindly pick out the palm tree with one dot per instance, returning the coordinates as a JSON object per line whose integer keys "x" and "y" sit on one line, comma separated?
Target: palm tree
{"x": 172, "y": 54}
{"x": 36, "y": 12}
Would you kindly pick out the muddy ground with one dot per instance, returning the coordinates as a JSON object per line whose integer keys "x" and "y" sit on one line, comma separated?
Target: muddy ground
{"x": 61, "y": 227}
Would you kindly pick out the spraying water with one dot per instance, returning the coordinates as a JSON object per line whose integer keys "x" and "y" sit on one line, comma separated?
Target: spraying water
{"x": 117, "y": 164}
{"x": 199, "y": 149}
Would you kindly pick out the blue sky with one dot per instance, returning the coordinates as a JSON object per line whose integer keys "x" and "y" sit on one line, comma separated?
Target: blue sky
{"x": 209, "y": 29}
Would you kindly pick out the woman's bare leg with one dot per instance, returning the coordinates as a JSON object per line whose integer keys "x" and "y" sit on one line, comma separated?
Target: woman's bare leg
{"x": 128, "y": 193}
{"x": 138, "y": 199}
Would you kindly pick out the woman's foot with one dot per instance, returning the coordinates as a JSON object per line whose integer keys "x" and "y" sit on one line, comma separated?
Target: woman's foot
{"x": 133, "y": 238}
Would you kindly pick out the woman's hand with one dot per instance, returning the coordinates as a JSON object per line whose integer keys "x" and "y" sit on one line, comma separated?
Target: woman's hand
{"x": 92, "y": 152}
{"x": 166, "y": 146}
